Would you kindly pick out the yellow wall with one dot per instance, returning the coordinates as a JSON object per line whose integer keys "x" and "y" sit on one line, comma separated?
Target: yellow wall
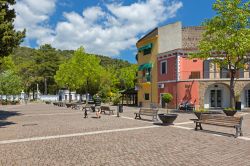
{"x": 150, "y": 58}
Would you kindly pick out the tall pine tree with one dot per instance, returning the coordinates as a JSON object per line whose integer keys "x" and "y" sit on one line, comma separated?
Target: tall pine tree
{"x": 9, "y": 37}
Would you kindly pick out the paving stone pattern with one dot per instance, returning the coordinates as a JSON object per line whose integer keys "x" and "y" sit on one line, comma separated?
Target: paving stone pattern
{"x": 163, "y": 145}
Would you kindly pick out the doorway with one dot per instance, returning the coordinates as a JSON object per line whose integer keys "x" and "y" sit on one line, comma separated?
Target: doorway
{"x": 247, "y": 92}
{"x": 216, "y": 98}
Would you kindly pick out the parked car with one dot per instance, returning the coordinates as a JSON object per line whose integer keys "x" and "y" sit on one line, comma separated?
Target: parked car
{"x": 187, "y": 106}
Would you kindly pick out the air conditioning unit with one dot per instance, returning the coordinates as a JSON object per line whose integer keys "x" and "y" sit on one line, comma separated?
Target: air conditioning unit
{"x": 160, "y": 86}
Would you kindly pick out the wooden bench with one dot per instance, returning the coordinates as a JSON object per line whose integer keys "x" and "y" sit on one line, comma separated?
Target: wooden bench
{"x": 218, "y": 120}
{"x": 148, "y": 112}
{"x": 76, "y": 106}
{"x": 106, "y": 108}
{"x": 69, "y": 105}
{"x": 55, "y": 103}
{"x": 86, "y": 108}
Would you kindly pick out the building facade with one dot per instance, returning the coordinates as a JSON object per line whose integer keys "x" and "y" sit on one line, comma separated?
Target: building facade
{"x": 155, "y": 42}
{"x": 196, "y": 81}
{"x": 164, "y": 67}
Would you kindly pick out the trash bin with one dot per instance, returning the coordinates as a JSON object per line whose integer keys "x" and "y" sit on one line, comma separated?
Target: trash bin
{"x": 120, "y": 108}
{"x": 140, "y": 104}
{"x": 238, "y": 105}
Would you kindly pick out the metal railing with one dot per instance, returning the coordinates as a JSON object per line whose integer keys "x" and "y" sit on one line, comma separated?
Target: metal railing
{"x": 187, "y": 75}
{"x": 193, "y": 75}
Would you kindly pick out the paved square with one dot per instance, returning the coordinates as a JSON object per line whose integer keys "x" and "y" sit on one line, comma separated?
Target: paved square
{"x": 40, "y": 134}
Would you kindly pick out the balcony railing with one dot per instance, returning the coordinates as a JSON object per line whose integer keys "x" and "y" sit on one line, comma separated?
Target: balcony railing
{"x": 144, "y": 79}
{"x": 193, "y": 75}
{"x": 186, "y": 75}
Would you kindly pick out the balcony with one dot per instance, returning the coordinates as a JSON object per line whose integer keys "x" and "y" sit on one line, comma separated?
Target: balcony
{"x": 144, "y": 79}
{"x": 187, "y": 75}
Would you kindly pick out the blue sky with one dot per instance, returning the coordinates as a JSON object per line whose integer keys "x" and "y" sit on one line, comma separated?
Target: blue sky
{"x": 107, "y": 27}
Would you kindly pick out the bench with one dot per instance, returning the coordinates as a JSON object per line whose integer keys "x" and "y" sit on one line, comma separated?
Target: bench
{"x": 218, "y": 120}
{"x": 148, "y": 112}
{"x": 76, "y": 106}
{"x": 86, "y": 108}
{"x": 106, "y": 108}
{"x": 68, "y": 105}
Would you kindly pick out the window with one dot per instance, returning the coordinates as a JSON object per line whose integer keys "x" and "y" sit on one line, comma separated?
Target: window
{"x": 206, "y": 68}
{"x": 194, "y": 75}
{"x": 146, "y": 96}
{"x": 146, "y": 73}
{"x": 147, "y": 51}
{"x": 164, "y": 67}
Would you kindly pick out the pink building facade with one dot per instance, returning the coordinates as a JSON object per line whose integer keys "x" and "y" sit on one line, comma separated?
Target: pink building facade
{"x": 178, "y": 77}
{"x": 196, "y": 81}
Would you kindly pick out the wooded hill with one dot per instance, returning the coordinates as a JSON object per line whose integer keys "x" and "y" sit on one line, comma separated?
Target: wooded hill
{"x": 40, "y": 66}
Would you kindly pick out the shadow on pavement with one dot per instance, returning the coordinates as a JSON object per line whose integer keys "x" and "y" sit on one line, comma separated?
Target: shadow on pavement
{"x": 5, "y": 115}
{"x": 4, "y": 123}
{"x": 218, "y": 133}
{"x": 146, "y": 120}
{"x": 163, "y": 124}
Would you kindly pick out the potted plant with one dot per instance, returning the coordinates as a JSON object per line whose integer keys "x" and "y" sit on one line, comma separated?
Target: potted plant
{"x": 229, "y": 111}
{"x": 200, "y": 111}
{"x": 167, "y": 118}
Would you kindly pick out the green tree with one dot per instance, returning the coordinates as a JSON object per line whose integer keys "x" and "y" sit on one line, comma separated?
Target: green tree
{"x": 47, "y": 62}
{"x": 9, "y": 37}
{"x": 127, "y": 76}
{"x": 10, "y": 83}
{"x": 38, "y": 66}
{"x": 228, "y": 35}
{"x": 82, "y": 71}
{"x": 6, "y": 63}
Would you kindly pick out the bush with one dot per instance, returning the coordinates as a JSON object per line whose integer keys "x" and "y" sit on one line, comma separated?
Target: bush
{"x": 167, "y": 98}
{"x": 229, "y": 109}
{"x": 4, "y": 102}
{"x": 201, "y": 110}
{"x": 116, "y": 98}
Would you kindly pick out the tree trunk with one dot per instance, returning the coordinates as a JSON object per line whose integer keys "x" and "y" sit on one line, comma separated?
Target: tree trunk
{"x": 232, "y": 93}
{"x": 69, "y": 95}
{"x": 33, "y": 92}
{"x": 86, "y": 89}
{"x": 45, "y": 86}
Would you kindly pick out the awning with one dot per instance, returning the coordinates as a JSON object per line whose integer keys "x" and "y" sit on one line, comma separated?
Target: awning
{"x": 150, "y": 45}
{"x": 145, "y": 66}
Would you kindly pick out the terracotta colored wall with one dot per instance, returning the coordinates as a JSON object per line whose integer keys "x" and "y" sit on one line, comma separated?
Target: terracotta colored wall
{"x": 188, "y": 91}
{"x": 188, "y": 65}
{"x": 169, "y": 88}
{"x": 181, "y": 91}
{"x": 171, "y": 69}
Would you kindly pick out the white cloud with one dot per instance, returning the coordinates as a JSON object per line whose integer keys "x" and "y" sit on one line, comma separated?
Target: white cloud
{"x": 105, "y": 31}
{"x": 33, "y": 16}
{"x": 93, "y": 13}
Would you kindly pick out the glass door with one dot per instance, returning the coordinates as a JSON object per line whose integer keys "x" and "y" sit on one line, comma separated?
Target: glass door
{"x": 247, "y": 92}
{"x": 216, "y": 98}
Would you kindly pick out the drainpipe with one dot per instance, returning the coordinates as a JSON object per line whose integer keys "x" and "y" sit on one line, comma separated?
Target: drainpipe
{"x": 177, "y": 78}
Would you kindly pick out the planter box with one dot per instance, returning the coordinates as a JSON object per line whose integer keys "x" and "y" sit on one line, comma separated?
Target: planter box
{"x": 167, "y": 118}
{"x": 198, "y": 114}
{"x": 230, "y": 113}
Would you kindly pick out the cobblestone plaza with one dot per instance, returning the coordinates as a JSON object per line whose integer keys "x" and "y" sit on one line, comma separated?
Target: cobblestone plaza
{"x": 40, "y": 134}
